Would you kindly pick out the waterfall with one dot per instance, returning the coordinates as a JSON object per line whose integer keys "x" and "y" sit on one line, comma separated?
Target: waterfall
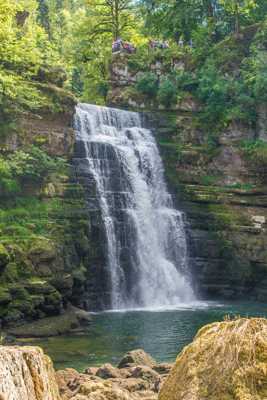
{"x": 146, "y": 243}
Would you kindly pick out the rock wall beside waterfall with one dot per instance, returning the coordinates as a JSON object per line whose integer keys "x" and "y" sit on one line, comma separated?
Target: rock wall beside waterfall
{"x": 225, "y": 204}
{"x": 50, "y": 251}
{"x": 26, "y": 374}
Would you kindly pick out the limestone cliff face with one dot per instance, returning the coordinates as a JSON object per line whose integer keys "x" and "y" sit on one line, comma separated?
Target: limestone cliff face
{"x": 26, "y": 373}
{"x": 225, "y": 203}
{"x": 49, "y": 249}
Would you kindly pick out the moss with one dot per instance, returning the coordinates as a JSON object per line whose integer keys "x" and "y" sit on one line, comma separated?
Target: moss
{"x": 42, "y": 250}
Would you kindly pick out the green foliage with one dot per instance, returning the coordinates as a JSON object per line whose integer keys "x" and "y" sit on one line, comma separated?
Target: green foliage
{"x": 20, "y": 166}
{"x": 225, "y": 97}
{"x": 167, "y": 93}
{"x": 189, "y": 19}
{"x": 253, "y": 147}
{"x": 255, "y": 152}
{"x": 241, "y": 186}
{"x": 110, "y": 16}
{"x": 208, "y": 180}
{"x": 148, "y": 84}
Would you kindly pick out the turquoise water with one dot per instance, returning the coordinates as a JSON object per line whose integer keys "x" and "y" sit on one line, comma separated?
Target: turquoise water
{"x": 162, "y": 333}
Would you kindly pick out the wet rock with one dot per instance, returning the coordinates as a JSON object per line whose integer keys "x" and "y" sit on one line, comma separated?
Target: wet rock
{"x": 136, "y": 357}
{"x": 72, "y": 319}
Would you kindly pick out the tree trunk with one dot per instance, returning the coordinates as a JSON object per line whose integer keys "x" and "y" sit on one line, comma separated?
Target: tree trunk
{"x": 117, "y": 19}
{"x": 237, "y": 18}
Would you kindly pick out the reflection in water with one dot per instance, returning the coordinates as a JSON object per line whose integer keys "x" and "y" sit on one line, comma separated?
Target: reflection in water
{"x": 161, "y": 333}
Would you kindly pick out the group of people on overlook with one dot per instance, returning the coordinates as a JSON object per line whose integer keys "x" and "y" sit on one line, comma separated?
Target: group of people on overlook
{"x": 119, "y": 45}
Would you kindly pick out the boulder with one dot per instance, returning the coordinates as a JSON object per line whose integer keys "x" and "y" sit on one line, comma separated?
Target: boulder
{"x": 136, "y": 357}
{"x": 226, "y": 360}
{"x": 107, "y": 371}
{"x": 146, "y": 374}
{"x": 26, "y": 374}
{"x": 91, "y": 371}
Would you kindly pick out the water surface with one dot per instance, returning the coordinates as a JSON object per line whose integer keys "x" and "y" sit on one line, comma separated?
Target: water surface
{"x": 162, "y": 333}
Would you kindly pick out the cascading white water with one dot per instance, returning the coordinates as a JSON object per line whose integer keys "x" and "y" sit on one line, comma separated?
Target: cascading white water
{"x": 146, "y": 241}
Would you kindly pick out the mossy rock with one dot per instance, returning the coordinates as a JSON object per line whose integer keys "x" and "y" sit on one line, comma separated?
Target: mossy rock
{"x": 4, "y": 257}
{"x": 42, "y": 251}
{"x": 72, "y": 319}
{"x": 226, "y": 360}
{"x": 39, "y": 287}
{"x": 18, "y": 292}
{"x": 53, "y": 303}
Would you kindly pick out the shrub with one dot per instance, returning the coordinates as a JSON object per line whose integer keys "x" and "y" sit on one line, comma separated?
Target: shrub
{"x": 33, "y": 164}
{"x": 148, "y": 84}
{"x": 255, "y": 152}
{"x": 167, "y": 94}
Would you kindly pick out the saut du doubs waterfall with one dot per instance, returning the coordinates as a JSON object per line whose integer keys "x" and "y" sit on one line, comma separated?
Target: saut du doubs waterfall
{"x": 133, "y": 200}
{"x": 146, "y": 246}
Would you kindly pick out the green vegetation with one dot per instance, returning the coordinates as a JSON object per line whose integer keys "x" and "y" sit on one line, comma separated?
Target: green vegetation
{"x": 68, "y": 43}
{"x": 255, "y": 152}
{"x": 33, "y": 165}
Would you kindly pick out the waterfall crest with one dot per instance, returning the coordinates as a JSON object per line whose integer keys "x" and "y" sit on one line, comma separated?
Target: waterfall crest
{"x": 146, "y": 241}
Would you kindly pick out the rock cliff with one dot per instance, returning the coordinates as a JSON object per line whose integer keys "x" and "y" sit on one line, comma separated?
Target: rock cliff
{"x": 217, "y": 172}
{"x": 49, "y": 248}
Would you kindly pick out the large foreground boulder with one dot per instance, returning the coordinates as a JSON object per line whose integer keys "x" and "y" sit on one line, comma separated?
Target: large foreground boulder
{"x": 26, "y": 374}
{"x": 226, "y": 361}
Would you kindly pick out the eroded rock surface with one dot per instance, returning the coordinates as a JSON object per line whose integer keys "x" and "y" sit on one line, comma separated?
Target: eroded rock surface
{"x": 26, "y": 374}
{"x": 227, "y": 360}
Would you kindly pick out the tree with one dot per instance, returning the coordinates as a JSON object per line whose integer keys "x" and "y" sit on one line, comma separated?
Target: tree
{"x": 172, "y": 18}
{"x": 238, "y": 9}
{"x": 111, "y": 17}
